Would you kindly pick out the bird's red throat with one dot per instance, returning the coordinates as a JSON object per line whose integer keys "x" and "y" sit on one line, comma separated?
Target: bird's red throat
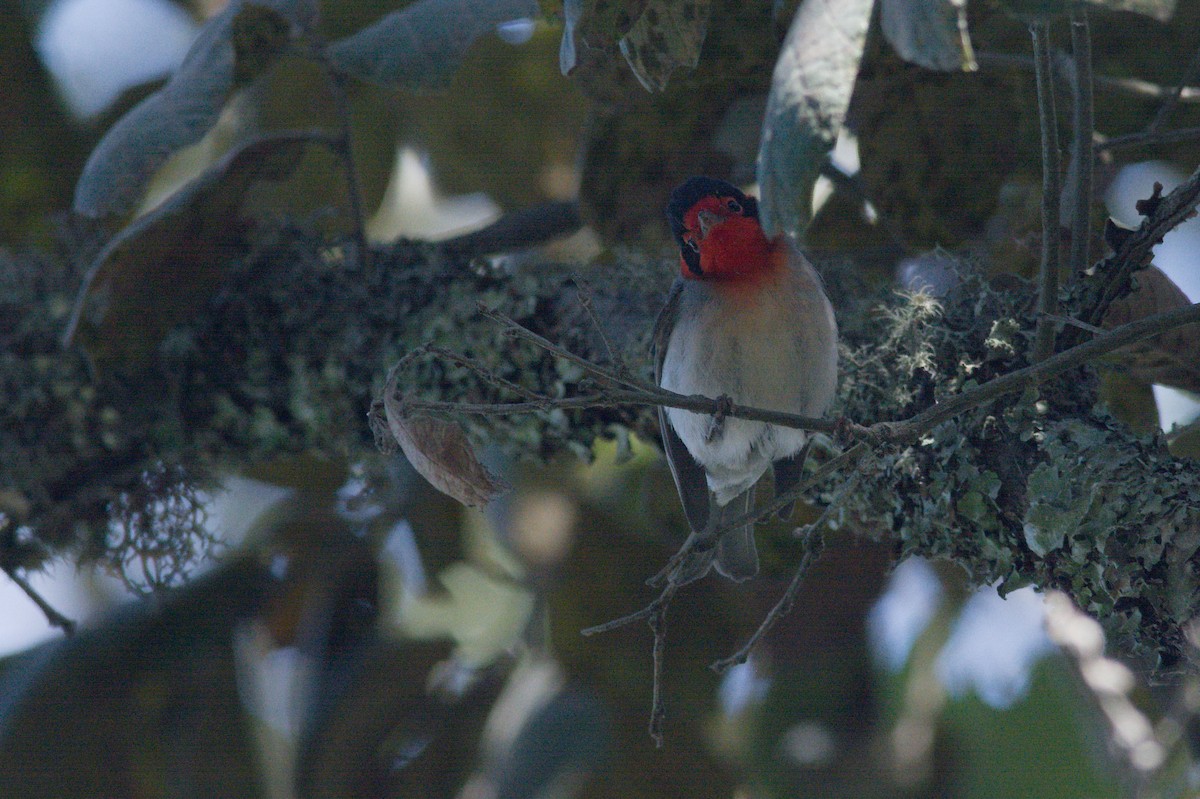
{"x": 735, "y": 252}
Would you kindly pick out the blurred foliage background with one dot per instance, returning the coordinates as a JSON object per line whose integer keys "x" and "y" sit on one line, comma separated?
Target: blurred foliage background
{"x": 312, "y": 619}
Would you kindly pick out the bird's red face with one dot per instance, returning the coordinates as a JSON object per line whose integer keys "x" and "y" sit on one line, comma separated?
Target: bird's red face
{"x": 719, "y": 235}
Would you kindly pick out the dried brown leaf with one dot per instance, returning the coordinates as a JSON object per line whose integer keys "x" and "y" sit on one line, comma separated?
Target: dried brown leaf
{"x": 1172, "y": 359}
{"x": 440, "y": 452}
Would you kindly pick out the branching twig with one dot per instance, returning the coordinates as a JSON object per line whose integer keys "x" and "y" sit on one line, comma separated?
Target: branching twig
{"x": 55, "y": 618}
{"x": 814, "y": 543}
{"x": 1048, "y": 276}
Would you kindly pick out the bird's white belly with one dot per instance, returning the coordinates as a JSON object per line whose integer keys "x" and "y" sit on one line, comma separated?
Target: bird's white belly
{"x": 759, "y": 356}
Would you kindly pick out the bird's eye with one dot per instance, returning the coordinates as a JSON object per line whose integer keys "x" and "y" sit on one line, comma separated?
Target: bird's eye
{"x": 691, "y": 242}
{"x": 733, "y": 205}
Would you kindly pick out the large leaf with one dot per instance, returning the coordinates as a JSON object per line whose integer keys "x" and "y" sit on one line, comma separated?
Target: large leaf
{"x": 810, "y": 92}
{"x": 158, "y": 269}
{"x": 930, "y": 33}
{"x": 233, "y": 48}
{"x": 668, "y": 34}
{"x": 419, "y": 46}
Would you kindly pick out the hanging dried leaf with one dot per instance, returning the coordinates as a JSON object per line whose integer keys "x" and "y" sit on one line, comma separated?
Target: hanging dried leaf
{"x": 810, "y": 92}
{"x": 668, "y": 34}
{"x": 1172, "y": 359}
{"x": 230, "y": 51}
{"x": 421, "y": 45}
{"x": 440, "y": 452}
{"x": 930, "y": 33}
{"x": 156, "y": 271}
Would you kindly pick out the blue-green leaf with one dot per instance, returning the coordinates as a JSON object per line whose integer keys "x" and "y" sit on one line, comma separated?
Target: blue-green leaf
{"x": 930, "y": 33}
{"x": 420, "y": 46}
{"x": 806, "y": 108}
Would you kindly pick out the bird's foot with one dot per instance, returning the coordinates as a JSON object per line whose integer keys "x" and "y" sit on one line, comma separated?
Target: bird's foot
{"x": 716, "y": 425}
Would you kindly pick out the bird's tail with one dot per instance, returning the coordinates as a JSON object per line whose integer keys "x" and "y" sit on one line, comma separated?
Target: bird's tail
{"x": 734, "y": 553}
{"x": 737, "y": 557}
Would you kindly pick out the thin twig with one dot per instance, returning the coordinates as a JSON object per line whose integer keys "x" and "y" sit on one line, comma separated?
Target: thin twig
{"x": 484, "y": 372}
{"x": 658, "y": 705}
{"x": 1131, "y": 86}
{"x": 585, "y": 302}
{"x": 1144, "y": 139}
{"x": 1082, "y": 104}
{"x": 55, "y": 618}
{"x": 1051, "y": 189}
{"x": 654, "y": 395}
{"x": 341, "y": 100}
{"x": 1175, "y": 95}
{"x": 814, "y": 543}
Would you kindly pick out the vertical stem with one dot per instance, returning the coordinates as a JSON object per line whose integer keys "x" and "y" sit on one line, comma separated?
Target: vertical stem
{"x": 1043, "y": 345}
{"x": 1081, "y": 51}
{"x": 341, "y": 101}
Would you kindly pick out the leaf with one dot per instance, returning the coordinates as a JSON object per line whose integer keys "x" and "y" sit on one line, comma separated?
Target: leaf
{"x": 1161, "y": 10}
{"x": 421, "y": 45}
{"x": 440, "y": 452}
{"x": 668, "y": 34}
{"x": 1171, "y": 359}
{"x": 232, "y": 49}
{"x": 155, "y": 272}
{"x": 810, "y": 92}
{"x": 930, "y": 33}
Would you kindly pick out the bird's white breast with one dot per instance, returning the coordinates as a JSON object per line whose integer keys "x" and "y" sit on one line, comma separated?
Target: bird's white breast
{"x": 775, "y": 348}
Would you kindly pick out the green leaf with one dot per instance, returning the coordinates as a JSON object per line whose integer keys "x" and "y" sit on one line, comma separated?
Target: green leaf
{"x": 668, "y": 34}
{"x": 930, "y": 33}
{"x": 1161, "y": 10}
{"x": 810, "y": 92}
{"x": 155, "y": 272}
{"x": 231, "y": 50}
{"x": 420, "y": 46}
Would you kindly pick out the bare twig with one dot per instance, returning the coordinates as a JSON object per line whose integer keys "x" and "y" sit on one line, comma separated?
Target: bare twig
{"x": 55, "y": 618}
{"x": 1048, "y": 276}
{"x": 585, "y": 302}
{"x": 1175, "y": 95}
{"x": 814, "y": 543}
{"x": 1134, "y": 87}
{"x": 658, "y": 705}
{"x": 341, "y": 99}
{"x": 1144, "y": 139}
{"x": 1084, "y": 154}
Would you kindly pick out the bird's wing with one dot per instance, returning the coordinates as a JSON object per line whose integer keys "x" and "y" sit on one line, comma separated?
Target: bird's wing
{"x": 690, "y": 480}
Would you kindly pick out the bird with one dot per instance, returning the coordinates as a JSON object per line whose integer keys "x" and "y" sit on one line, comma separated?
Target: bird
{"x": 746, "y": 322}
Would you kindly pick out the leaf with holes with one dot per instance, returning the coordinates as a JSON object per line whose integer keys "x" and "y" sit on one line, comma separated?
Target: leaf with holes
{"x": 806, "y": 108}
{"x": 420, "y": 46}
{"x": 668, "y": 34}
{"x": 231, "y": 50}
{"x": 930, "y": 33}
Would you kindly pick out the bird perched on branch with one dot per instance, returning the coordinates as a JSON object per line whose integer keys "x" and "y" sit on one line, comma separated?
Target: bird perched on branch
{"x": 747, "y": 322}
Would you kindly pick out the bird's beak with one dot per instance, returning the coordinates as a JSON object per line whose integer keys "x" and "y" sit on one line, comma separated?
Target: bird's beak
{"x": 708, "y": 220}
